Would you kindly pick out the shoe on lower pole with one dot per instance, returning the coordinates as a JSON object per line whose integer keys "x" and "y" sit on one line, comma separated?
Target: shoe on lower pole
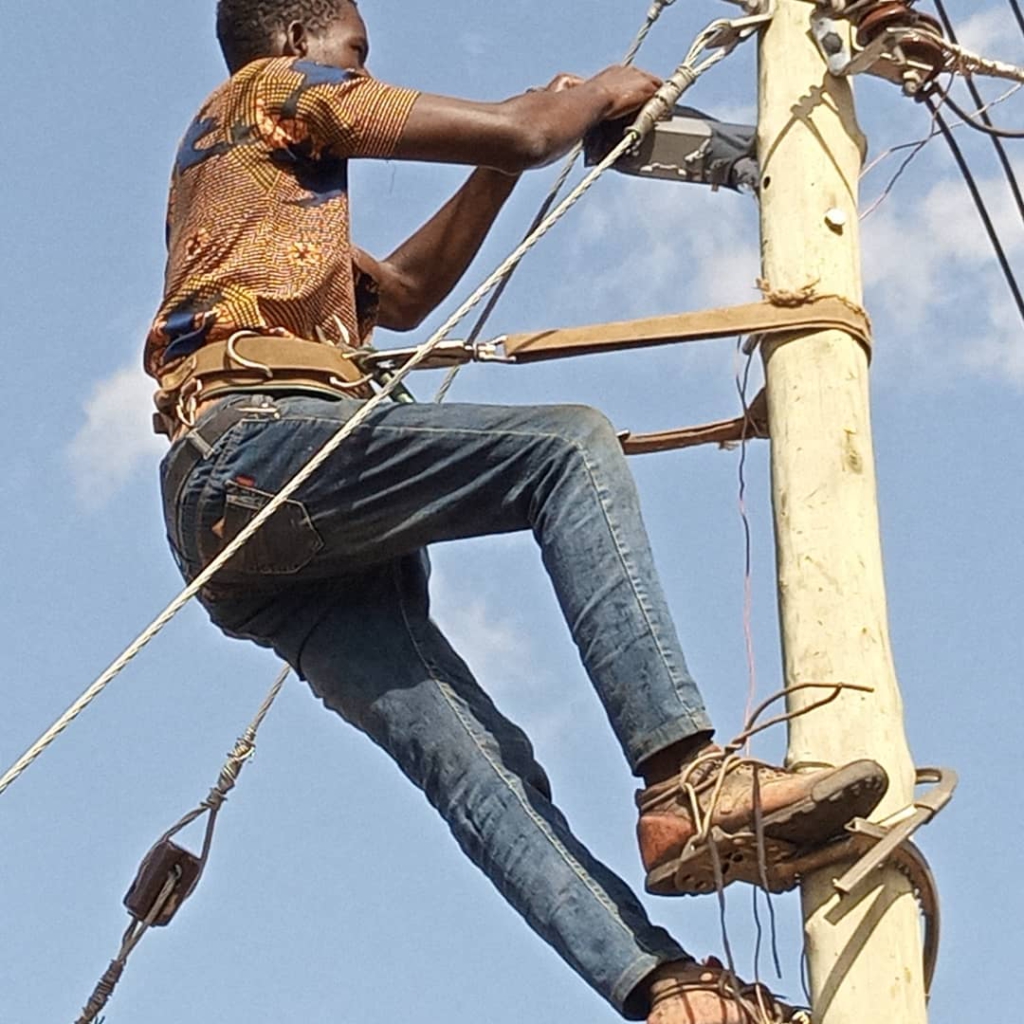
{"x": 686, "y": 992}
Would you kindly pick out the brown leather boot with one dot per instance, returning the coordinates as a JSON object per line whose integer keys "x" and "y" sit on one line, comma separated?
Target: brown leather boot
{"x": 685, "y": 992}
{"x": 796, "y": 810}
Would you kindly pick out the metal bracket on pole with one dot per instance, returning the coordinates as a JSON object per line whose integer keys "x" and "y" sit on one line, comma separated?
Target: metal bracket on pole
{"x": 903, "y": 47}
{"x": 884, "y": 844}
{"x": 897, "y": 830}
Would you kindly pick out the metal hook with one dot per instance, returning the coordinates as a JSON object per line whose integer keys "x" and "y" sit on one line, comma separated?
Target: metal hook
{"x": 351, "y": 385}
{"x": 248, "y": 364}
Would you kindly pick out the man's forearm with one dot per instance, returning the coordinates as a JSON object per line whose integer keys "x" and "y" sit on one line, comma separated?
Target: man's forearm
{"x": 421, "y": 272}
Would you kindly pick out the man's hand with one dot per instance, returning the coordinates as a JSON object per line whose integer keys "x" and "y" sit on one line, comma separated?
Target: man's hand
{"x": 628, "y": 88}
{"x": 561, "y": 82}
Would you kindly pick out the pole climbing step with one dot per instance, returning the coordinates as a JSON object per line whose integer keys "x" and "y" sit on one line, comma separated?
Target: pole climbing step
{"x": 868, "y": 846}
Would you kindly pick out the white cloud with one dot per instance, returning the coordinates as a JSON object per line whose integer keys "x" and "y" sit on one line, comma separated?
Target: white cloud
{"x": 474, "y": 44}
{"x": 509, "y": 653}
{"x": 116, "y": 438}
{"x": 930, "y": 267}
{"x": 985, "y": 32}
{"x": 677, "y": 245}
{"x": 492, "y": 648}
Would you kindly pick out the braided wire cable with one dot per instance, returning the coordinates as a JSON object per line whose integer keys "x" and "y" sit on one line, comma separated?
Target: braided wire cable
{"x": 243, "y": 752}
{"x": 964, "y": 62}
{"x": 685, "y": 75}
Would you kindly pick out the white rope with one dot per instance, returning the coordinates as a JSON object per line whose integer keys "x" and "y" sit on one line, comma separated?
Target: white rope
{"x": 664, "y": 100}
{"x": 964, "y": 62}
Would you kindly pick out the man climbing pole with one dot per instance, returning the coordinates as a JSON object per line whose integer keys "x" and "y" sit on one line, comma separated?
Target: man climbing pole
{"x": 262, "y": 277}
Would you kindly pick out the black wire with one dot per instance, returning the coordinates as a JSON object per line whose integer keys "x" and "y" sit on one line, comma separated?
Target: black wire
{"x": 1018, "y": 13}
{"x": 979, "y": 202}
{"x": 985, "y": 125}
{"x": 996, "y": 135}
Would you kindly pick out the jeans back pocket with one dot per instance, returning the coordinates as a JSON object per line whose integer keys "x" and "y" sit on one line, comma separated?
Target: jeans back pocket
{"x": 285, "y": 544}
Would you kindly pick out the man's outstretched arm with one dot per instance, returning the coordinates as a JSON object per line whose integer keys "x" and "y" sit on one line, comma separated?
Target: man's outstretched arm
{"x": 504, "y": 138}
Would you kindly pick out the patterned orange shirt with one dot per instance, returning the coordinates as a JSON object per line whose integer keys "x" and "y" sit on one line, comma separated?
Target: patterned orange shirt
{"x": 258, "y": 221}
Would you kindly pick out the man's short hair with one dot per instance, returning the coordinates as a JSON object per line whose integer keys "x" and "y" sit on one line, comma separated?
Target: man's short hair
{"x": 245, "y": 27}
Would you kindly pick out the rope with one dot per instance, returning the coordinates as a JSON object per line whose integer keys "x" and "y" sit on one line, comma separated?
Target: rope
{"x": 963, "y": 62}
{"x": 724, "y": 761}
{"x": 244, "y": 750}
{"x": 653, "y": 14}
{"x": 718, "y": 34}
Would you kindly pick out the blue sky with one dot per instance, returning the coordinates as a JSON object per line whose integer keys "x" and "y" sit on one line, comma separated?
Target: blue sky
{"x": 334, "y": 894}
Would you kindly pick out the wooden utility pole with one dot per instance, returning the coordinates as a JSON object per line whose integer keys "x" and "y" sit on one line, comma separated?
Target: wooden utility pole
{"x": 864, "y": 952}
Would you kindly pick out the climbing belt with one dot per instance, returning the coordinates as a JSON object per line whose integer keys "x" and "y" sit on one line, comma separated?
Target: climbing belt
{"x": 169, "y": 873}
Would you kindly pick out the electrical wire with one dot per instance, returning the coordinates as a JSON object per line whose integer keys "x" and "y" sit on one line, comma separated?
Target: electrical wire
{"x": 986, "y": 125}
{"x": 979, "y": 202}
{"x": 1018, "y": 14}
{"x": 653, "y": 14}
{"x": 915, "y": 150}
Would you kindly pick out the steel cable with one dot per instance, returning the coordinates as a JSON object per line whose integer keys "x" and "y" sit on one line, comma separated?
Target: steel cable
{"x": 653, "y": 14}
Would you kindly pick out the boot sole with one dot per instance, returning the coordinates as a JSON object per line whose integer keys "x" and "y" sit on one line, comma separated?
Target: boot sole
{"x": 852, "y": 791}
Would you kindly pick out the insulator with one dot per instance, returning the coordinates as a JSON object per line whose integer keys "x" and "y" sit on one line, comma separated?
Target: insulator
{"x": 875, "y": 20}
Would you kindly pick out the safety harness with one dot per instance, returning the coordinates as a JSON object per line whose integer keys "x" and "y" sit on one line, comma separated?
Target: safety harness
{"x": 250, "y": 361}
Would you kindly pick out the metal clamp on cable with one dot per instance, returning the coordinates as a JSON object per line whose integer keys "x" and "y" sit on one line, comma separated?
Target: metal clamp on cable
{"x": 442, "y": 357}
{"x": 721, "y": 37}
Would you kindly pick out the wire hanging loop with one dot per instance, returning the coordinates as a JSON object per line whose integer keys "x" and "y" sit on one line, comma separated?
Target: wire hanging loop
{"x": 169, "y": 874}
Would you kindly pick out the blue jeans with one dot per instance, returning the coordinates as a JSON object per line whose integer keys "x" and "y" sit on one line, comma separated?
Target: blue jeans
{"x": 336, "y": 584}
